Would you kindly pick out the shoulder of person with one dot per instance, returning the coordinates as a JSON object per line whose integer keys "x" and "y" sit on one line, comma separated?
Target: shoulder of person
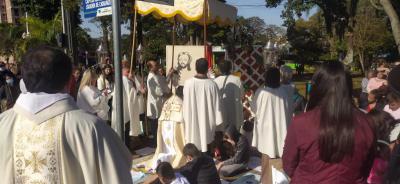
{"x": 189, "y": 81}
{"x": 306, "y": 118}
{"x": 81, "y": 120}
{"x": 7, "y": 117}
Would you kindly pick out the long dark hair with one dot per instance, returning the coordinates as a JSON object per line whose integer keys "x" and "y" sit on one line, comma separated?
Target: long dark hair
{"x": 332, "y": 93}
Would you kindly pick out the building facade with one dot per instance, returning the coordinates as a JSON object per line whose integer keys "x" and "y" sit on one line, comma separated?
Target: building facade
{"x": 8, "y": 12}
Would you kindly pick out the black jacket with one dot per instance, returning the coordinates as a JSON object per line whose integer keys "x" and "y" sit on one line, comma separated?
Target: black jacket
{"x": 393, "y": 171}
{"x": 201, "y": 170}
{"x": 242, "y": 152}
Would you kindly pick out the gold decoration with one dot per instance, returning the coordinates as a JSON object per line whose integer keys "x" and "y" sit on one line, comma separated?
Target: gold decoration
{"x": 37, "y": 151}
{"x": 35, "y": 162}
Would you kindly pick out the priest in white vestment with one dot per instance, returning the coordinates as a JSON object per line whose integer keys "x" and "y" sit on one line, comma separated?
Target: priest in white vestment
{"x": 231, "y": 93}
{"x": 271, "y": 120}
{"x": 130, "y": 106}
{"x": 157, "y": 91}
{"x": 201, "y": 107}
{"x": 45, "y": 138}
{"x": 171, "y": 139}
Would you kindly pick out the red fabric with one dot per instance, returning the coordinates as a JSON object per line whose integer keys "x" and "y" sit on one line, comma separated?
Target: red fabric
{"x": 209, "y": 56}
{"x": 301, "y": 153}
{"x": 378, "y": 171}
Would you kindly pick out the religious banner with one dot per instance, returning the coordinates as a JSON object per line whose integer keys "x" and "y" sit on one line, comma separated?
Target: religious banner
{"x": 184, "y": 61}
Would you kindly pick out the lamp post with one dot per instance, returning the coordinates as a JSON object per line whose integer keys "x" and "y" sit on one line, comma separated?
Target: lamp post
{"x": 116, "y": 25}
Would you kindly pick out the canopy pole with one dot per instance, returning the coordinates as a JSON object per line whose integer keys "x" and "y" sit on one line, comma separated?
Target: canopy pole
{"x": 205, "y": 16}
{"x": 173, "y": 46}
{"x": 116, "y": 25}
{"x": 133, "y": 53}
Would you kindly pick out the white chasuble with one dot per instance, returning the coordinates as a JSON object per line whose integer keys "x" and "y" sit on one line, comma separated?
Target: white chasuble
{"x": 170, "y": 139}
{"x": 60, "y": 144}
{"x": 37, "y": 151}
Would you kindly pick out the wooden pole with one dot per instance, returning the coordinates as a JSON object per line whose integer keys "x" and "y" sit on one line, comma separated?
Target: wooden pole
{"x": 205, "y": 16}
{"x": 173, "y": 47}
{"x": 173, "y": 41}
{"x": 133, "y": 55}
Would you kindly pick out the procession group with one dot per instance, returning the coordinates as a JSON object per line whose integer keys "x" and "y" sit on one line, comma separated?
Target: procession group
{"x": 58, "y": 121}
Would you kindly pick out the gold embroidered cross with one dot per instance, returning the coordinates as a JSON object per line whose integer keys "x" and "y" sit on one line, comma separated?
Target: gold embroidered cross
{"x": 35, "y": 162}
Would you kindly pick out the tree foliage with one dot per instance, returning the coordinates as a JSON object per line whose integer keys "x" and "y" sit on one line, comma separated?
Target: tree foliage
{"x": 9, "y": 37}
{"x": 307, "y": 40}
{"x": 43, "y": 9}
{"x": 337, "y": 14}
{"x": 372, "y": 35}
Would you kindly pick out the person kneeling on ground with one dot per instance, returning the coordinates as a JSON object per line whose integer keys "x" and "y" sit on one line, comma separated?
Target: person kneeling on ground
{"x": 238, "y": 163}
{"x": 166, "y": 174}
{"x": 200, "y": 169}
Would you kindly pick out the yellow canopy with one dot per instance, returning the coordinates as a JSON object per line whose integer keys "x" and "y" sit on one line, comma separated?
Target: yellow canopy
{"x": 189, "y": 10}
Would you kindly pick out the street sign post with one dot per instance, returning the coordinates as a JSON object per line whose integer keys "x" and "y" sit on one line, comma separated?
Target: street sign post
{"x": 97, "y": 8}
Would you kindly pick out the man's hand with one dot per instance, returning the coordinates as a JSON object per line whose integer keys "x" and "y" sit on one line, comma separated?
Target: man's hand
{"x": 143, "y": 89}
{"x": 171, "y": 71}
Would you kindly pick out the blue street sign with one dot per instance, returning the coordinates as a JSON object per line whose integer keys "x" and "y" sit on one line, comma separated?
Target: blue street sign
{"x": 96, "y": 8}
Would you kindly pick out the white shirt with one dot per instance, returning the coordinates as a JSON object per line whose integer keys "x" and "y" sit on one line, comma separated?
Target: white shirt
{"x": 92, "y": 100}
{"x": 156, "y": 90}
{"x": 103, "y": 83}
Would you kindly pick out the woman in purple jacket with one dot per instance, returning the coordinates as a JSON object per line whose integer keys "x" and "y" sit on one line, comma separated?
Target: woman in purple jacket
{"x": 332, "y": 142}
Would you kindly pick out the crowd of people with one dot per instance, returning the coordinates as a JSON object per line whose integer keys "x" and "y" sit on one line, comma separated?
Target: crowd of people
{"x": 62, "y": 118}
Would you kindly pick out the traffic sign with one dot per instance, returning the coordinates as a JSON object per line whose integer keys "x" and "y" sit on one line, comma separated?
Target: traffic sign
{"x": 96, "y": 8}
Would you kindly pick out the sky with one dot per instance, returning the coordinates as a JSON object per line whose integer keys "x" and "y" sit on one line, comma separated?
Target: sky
{"x": 269, "y": 15}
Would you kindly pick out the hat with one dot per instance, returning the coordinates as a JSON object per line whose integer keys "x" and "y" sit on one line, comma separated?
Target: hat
{"x": 394, "y": 79}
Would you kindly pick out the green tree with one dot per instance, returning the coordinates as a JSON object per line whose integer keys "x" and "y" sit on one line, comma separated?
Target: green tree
{"x": 43, "y": 9}
{"x": 308, "y": 42}
{"x": 104, "y": 23}
{"x": 250, "y": 31}
{"x": 371, "y": 35}
{"x": 392, "y": 10}
{"x": 10, "y": 35}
